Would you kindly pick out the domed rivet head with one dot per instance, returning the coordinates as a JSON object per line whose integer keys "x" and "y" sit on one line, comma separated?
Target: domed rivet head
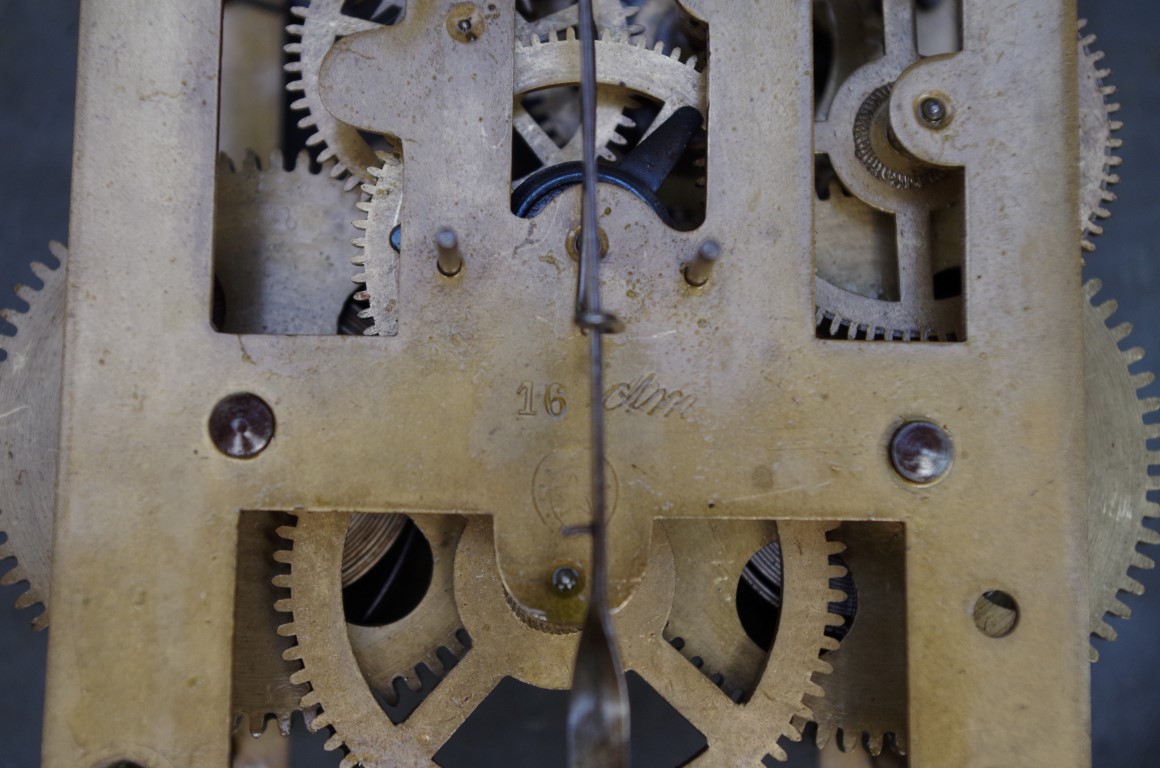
{"x": 241, "y": 425}
{"x": 921, "y": 452}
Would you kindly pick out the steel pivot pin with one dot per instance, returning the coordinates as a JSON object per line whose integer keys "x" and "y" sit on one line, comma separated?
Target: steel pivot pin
{"x": 698, "y": 270}
{"x": 450, "y": 261}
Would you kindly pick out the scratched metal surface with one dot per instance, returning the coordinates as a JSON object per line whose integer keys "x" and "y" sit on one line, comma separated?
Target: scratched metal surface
{"x": 37, "y": 59}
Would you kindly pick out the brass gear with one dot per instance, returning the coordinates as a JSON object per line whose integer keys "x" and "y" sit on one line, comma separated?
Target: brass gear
{"x": 30, "y": 404}
{"x": 1098, "y": 142}
{"x": 390, "y": 656}
{"x": 279, "y": 248}
{"x": 866, "y": 693}
{"x": 504, "y": 643}
{"x": 1118, "y": 460}
{"x": 662, "y": 76}
{"x": 323, "y": 22}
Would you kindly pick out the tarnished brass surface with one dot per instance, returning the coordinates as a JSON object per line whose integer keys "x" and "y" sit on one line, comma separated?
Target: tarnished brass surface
{"x": 30, "y": 405}
{"x": 779, "y": 424}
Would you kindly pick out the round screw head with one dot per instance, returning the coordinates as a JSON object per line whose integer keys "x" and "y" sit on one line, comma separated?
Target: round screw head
{"x": 933, "y": 111}
{"x": 921, "y": 452}
{"x": 241, "y": 425}
{"x": 567, "y": 581}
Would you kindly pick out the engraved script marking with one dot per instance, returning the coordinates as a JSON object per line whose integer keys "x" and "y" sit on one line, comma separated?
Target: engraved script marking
{"x": 648, "y": 397}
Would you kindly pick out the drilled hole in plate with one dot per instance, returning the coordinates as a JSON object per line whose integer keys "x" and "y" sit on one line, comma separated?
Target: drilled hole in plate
{"x": 759, "y": 596}
{"x": 387, "y": 567}
{"x": 996, "y": 613}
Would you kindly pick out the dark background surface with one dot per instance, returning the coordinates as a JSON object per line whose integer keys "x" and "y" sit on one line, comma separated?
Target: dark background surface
{"x": 37, "y": 71}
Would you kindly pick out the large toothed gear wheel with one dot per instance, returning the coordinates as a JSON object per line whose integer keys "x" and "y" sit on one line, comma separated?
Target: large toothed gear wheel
{"x": 1098, "y": 141}
{"x": 505, "y": 643}
{"x": 323, "y": 22}
{"x": 30, "y": 410}
{"x": 1118, "y": 461}
{"x": 659, "y": 75}
{"x": 407, "y": 654}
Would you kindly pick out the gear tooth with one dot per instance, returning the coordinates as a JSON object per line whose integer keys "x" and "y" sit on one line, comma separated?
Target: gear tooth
{"x": 1144, "y": 563}
{"x": 42, "y": 271}
{"x": 1131, "y": 586}
{"x": 1104, "y": 630}
{"x": 350, "y": 761}
{"x": 1133, "y": 355}
{"x": 1149, "y": 536}
{"x": 659, "y": 47}
{"x": 824, "y": 735}
{"x": 251, "y": 162}
{"x": 27, "y": 599}
{"x": 1087, "y": 246}
{"x": 606, "y": 36}
{"x": 1150, "y": 404}
{"x": 293, "y": 48}
{"x": 570, "y": 34}
{"x": 901, "y": 745}
{"x": 1121, "y": 332}
{"x": 300, "y": 105}
{"x": 282, "y": 581}
{"x": 874, "y": 744}
{"x": 286, "y": 630}
{"x": 13, "y": 576}
{"x": 675, "y": 53}
{"x": 1107, "y": 309}
{"x": 360, "y": 224}
{"x": 1118, "y": 608}
{"x": 284, "y": 605}
{"x": 1144, "y": 379}
{"x": 328, "y": 153}
{"x": 297, "y": 86}
{"x": 335, "y": 743}
{"x": 1153, "y": 483}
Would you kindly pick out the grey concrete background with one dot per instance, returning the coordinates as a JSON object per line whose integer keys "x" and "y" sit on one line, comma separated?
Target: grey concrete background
{"x": 37, "y": 69}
